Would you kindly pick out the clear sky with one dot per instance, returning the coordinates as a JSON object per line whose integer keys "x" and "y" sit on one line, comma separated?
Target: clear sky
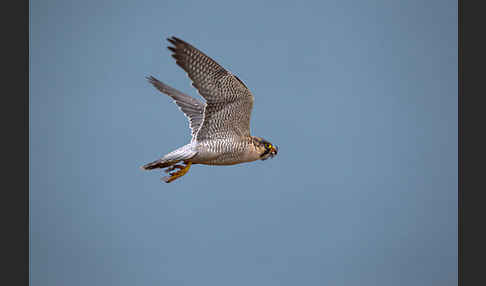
{"x": 360, "y": 97}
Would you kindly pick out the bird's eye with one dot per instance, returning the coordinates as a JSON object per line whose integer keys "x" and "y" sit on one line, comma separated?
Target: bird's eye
{"x": 269, "y": 146}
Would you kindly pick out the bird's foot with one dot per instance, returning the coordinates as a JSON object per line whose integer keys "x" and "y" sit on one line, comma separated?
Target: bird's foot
{"x": 174, "y": 175}
{"x": 173, "y": 167}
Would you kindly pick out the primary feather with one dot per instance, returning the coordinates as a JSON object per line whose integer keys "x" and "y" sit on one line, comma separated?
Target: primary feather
{"x": 192, "y": 108}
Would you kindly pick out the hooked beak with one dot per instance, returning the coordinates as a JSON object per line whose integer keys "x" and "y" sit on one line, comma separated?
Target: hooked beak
{"x": 273, "y": 151}
{"x": 269, "y": 153}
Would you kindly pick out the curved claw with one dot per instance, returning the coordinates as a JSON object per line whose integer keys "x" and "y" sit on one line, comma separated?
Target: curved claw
{"x": 183, "y": 170}
{"x": 173, "y": 167}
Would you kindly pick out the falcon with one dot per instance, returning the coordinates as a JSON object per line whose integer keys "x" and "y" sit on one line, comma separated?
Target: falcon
{"x": 220, "y": 126}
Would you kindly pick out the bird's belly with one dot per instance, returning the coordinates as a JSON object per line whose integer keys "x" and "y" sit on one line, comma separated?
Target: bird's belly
{"x": 221, "y": 163}
{"x": 221, "y": 159}
{"x": 223, "y": 153}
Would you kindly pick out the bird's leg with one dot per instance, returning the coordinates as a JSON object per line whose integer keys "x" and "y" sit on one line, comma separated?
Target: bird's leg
{"x": 173, "y": 167}
{"x": 183, "y": 170}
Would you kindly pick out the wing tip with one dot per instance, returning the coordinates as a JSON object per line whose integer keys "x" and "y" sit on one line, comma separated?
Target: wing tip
{"x": 152, "y": 79}
{"x": 175, "y": 40}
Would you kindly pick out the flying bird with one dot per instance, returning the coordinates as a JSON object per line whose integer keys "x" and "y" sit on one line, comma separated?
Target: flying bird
{"x": 220, "y": 126}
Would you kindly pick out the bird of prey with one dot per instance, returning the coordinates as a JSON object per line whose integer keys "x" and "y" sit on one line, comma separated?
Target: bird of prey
{"x": 220, "y": 126}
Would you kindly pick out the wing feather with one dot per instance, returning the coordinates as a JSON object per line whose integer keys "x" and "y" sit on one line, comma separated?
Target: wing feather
{"x": 192, "y": 108}
{"x": 228, "y": 101}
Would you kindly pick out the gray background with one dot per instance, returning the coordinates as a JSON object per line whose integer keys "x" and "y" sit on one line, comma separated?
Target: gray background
{"x": 360, "y": 96}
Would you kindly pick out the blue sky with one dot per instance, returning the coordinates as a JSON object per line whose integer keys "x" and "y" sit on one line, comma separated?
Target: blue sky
{"x": 360, "y": 97}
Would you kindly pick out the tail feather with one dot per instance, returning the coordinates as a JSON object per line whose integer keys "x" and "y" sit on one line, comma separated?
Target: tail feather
{"x": 174, "y": 157}
{"x": 158, "y": 164}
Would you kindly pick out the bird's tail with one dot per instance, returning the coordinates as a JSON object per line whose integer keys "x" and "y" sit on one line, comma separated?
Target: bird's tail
{"x": 157, "y": 164}
{"x": 181, "y": 154}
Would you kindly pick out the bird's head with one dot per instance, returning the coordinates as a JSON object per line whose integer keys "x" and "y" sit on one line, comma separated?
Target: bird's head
{"x": 264, "y": 148}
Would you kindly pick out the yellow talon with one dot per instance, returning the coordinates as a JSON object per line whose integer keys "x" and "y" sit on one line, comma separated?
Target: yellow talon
{"x": 178, "y": 174}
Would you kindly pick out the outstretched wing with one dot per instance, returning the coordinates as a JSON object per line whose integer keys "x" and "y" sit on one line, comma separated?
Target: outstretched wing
{"x": 192, "y": 108}
{"x": 228, "y": 100}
